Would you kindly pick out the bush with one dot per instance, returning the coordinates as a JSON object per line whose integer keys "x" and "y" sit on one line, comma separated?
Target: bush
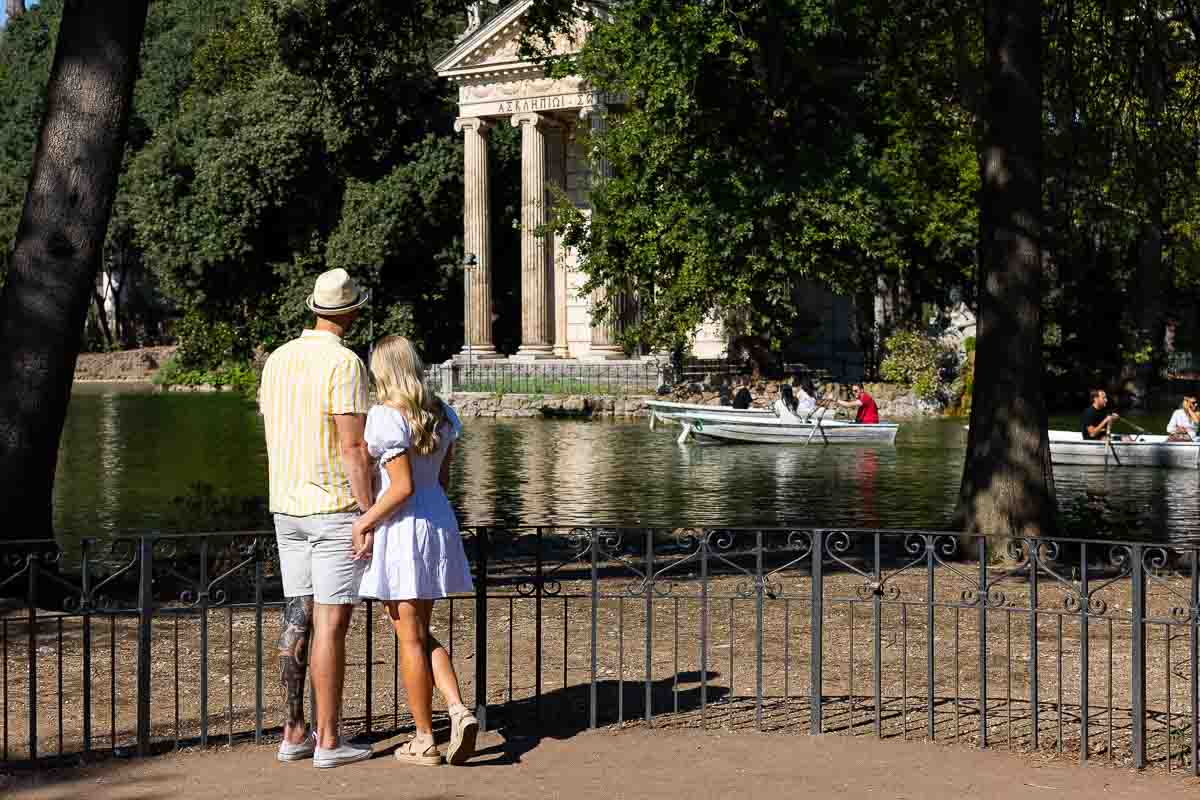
{"x": 206, "y": 344}
{"x": 238, "y": 376}
{"x": 922, "y": 363}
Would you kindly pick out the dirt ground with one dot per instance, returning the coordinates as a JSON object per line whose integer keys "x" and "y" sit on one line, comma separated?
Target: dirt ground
{"x": 615, "y": 764}
{"x": 676, "y": 662}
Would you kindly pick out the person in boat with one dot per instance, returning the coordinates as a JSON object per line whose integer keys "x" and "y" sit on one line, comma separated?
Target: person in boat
{"x": 867, "y": 413}
{"x": 785, "y": 405}
{"x": 742, "y": 399}
{"x": 1183, "y": 423}
{"x": 1096, "y": 424}
{"x": 724, "y": 395}
{"x": 806, "y": 398}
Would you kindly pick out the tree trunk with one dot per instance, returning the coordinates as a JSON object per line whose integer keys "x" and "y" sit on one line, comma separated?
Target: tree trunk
{"x": 14, "y": 8}
{"x": 1153, "y": 282}
{"x": 58, "y": 246}
{"x": 1008, "y": 486}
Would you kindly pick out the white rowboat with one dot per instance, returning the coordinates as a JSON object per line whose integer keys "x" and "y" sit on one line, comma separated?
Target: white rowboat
{"x": 779, "y": 432}
{"x": 667, "y": 411}
{"x": 1144, "y": 450}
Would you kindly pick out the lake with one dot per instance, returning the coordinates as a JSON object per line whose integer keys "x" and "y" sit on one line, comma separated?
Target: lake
{"x": 127, "y": 454}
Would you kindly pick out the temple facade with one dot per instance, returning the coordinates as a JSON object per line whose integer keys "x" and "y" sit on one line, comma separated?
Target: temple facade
{"x": 496, "y": 87}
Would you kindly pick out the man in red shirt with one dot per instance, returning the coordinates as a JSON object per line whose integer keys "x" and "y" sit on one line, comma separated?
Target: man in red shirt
{"x": 868, "y": 412}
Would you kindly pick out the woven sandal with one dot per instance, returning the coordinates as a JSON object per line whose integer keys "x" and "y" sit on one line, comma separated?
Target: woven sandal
{"x": 463, "y": 730}
{"x": 407, "y": 754}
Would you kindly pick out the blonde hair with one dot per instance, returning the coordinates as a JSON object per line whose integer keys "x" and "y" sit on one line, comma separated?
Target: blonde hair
{"x": 400, "y": 383}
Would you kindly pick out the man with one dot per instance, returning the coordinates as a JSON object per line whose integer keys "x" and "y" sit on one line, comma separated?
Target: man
{"x": 313, "y": 399}
{"x": 867, "y": 412}
{"x": 1095, "y": 425}
{"x": 742, "y": 399}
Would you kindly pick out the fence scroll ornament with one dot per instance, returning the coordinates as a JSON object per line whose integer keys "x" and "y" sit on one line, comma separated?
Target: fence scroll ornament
{"x": 770, "y": 601}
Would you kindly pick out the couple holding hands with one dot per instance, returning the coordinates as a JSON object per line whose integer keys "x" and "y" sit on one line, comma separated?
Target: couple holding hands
{"x": 359, "y": 501}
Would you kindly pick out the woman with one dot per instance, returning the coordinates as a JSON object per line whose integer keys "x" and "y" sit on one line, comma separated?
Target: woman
{"x": 1183, "y": 423}
{"x": 785, "y": 405}
{"x": 806, "y": 399}
{"x": 411, "y": 537}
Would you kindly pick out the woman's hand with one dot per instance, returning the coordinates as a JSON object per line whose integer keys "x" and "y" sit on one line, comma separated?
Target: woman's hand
{"x": 362, "y": 539}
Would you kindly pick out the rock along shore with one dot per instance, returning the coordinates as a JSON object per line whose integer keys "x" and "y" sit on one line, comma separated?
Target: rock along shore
{"x": 122, "y": 366}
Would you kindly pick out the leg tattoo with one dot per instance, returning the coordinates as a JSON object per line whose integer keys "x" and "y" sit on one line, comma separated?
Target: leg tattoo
{"x": 293, "y": 654}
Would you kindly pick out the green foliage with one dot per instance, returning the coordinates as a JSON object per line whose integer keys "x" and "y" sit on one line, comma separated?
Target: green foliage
{"x": 769, "y": 142}
{"x": 236, "y": 376}
{"x": 26, "y": 51}
{"x": 917, "y": 361}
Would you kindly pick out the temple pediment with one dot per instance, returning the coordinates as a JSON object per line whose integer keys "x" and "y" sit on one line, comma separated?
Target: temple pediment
{"x": 493, "y": 49}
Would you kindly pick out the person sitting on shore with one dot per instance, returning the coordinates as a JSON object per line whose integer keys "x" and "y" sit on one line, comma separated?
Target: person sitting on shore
{"x": 867, "y": 412}
{"x": 1183, "y": 423}
{"x": 1095, "y": 424}
{"x": 742, "y": 399}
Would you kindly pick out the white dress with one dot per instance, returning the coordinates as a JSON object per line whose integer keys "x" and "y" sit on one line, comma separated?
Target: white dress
{"x": 783, "y": 412}
{"x": 805, "y": 404}
{"x": 1181, "y": 420}
{"x": 418, "y": 551}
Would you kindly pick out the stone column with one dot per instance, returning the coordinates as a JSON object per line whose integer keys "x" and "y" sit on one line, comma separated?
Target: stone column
{"x": 477, "y": 285}
{"x": 605, "y": 335}
{"x": 556, "y": 171}
{"x": 537, "y": 332}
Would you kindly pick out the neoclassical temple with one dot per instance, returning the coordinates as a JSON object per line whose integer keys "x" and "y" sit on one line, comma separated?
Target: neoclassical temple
{"x": 496, "y": 87}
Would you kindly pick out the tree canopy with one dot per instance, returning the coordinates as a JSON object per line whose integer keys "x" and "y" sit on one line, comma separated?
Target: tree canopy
{"x": 770, "y": 141}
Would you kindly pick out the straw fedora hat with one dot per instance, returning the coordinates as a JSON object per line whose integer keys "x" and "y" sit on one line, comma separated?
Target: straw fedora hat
{"x": 335, "y": 293}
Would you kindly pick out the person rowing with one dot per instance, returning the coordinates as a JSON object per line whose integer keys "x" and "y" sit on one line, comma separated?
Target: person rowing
{"x": 1095, "y": 424}
{"x": 866, "y": 412}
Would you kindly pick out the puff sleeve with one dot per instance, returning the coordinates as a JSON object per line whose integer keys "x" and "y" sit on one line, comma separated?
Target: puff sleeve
{"x": 387, "y": 434}
{"x": 455, "y": 423}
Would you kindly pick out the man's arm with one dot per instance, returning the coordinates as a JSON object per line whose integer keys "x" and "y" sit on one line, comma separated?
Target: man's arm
{"x": 353, "y": 448}
{"x": 1093, "y": 430}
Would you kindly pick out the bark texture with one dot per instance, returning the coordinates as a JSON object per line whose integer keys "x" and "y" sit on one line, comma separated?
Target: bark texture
{"x": 1008, "y": 486}
{"x": 59, "y": 244}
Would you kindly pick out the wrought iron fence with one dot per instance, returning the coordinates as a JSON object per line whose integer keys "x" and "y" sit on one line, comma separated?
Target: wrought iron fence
{"x": 1083, "y": 647}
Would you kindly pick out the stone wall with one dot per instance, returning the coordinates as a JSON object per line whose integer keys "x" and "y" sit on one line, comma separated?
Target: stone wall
{"x": 486, "y": 404}
{"x": 122, "y": 365}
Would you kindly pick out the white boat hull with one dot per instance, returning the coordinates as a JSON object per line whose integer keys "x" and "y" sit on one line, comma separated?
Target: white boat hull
{"x": 671, "y": 412}
{"x": 777, "y": 432}
{"x": 1069, "y": 447}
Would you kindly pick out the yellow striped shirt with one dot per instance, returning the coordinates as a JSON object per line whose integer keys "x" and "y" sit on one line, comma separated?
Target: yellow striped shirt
{"x": 304, "y": 384}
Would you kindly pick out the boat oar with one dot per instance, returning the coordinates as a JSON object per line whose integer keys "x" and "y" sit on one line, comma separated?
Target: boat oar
{"x": 816, "y": 423}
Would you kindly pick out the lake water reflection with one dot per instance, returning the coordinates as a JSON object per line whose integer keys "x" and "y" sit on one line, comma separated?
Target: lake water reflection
{"x": 127, "y": 454}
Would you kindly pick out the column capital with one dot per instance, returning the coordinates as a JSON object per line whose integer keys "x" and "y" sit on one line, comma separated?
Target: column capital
{"x": 477, "y": 124}
{"x": 593, "y": 110}
{"x": 533, "y": 118}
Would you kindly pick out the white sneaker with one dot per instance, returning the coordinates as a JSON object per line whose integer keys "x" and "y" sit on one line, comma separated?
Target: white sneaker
{"x": 340, "y": 756}
{"x": 297, "y": 752}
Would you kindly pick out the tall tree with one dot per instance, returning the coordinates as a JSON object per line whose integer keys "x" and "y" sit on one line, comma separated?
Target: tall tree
{"x": 59, "y": 244}
{"x": 1007, "y": 485}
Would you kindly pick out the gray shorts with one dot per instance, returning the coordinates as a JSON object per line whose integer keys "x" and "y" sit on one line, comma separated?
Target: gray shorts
{"x": 316, "y": 557}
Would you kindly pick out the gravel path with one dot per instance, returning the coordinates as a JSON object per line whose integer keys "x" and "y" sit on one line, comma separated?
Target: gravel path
{"x": 619, "y": 764}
